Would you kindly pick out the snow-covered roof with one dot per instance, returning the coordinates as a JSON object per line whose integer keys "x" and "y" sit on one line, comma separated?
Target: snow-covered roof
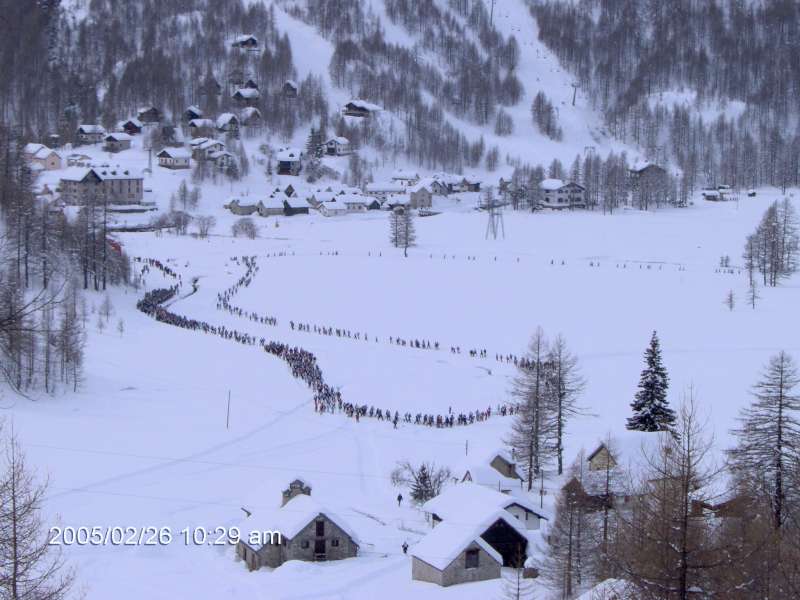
{"x": 295, "y": 202}
{"x": 116, "y": 173}
{"x": 32, "y": 148}
{"x": 91, "y": 128}
{"x": 240, "y": 39}
{"x": 402, "y": 175}
{"x": 210, "y": 143}
{"x": 365, "y": 105}
{"x": 201, "y": 123}
{"x": 467, "y": 503}
{"x": 39, "y": 151}
{"x": 219, "y": 154}
{"x": 424, "y": 183}
{"x": 274, "y": 201}
{"x": 385, "y": 187}
{"x": 551, "y": 184}
{"x": 472, "y": 179}
{"x": 194, "y": 109}
{"x": 291, "y": 82}
{"x": 249, "y": 93}
{"x": 333, "y": 206}
{"x": 133, "y": 121}
{"x": 485, "y": 475}
{"x": 74, "y": 173}
{"x": 226, "y": 118}
{"x": 175, "y": 153}
{"x": 289, "y": 155}
{"x": 197, "y": 141}
{"x": 338, "y": 140}
{"x": 447, "y": 541}
{"x": 353, "y": 199}
{"x": 144, "y": 109}
{"x": 398, "y": 200}
{"x": 118, "y": 137}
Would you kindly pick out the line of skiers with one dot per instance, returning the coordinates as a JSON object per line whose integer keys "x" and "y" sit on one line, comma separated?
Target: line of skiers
{"x": 251, "y": 269}
{"x": 302, "y": 363}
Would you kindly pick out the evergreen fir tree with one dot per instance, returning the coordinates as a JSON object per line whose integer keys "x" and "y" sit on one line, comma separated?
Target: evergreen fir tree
{"x": 651, "y": 411}
{"x": 420, "y": 489}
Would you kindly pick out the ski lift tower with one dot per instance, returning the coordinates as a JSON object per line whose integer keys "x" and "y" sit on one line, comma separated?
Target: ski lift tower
{"x": 494, "y": 209}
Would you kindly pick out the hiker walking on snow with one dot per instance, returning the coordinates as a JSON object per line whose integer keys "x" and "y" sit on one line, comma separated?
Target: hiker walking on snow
{"x": 399, "y": 499}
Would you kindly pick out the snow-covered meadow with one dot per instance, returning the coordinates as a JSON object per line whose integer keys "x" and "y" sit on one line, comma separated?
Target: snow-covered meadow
{"x": 145, "y": 442}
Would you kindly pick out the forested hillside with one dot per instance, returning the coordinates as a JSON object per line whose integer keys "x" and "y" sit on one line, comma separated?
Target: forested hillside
{"x": 635, "y": 58}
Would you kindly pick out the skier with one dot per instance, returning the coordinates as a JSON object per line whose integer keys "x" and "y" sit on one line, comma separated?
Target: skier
{"x": 405, "y": 547}
{"x": 399, "y": 499}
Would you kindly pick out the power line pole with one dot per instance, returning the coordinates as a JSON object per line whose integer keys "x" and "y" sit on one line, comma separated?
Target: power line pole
{"x": 495, "y": 224}
{"x": 228, "y": 416}
{"x": 574, "y": 91}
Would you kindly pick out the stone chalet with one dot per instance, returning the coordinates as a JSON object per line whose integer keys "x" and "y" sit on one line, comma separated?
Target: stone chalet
{"x": 115, "y": 186}
{"x": 474, "y": 535}
{"x": 308, "y": 531}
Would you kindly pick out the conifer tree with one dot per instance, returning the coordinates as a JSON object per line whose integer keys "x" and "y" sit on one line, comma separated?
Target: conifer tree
{"x": 651, "y": 411}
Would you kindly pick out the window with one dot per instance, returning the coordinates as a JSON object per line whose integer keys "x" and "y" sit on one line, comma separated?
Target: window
{"x": 304, "y": 544}
{"x": 471, "y": 559}
{"x": 335, "y": 543}
{"x": 320, "y": 528}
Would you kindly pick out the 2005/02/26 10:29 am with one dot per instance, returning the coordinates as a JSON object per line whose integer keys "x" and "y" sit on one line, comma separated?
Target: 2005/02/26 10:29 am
{"x": 142, "y": 536}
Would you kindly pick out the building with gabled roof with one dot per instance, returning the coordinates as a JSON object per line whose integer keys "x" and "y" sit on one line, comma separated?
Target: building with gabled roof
{"x": 90, "y": 134}
{"x": 117, "y": 142}
{"x": 308, "y": 531}
{"x": 453, "y": 554}
{"x": 290, "y": 161}
{"x": 469, "y": 502}
{"x": 149, "y": 114}
{"x": 131, "y": 126}
{"x": 245, "y": 41}
{"x": 337, "y": 146}
{"x": 192, "y": 112}
{"x": 228, "y": 123}
{"x": 46, "y": 158}
{"x": 360, "y": 108}
{"x": 174, "y": 158}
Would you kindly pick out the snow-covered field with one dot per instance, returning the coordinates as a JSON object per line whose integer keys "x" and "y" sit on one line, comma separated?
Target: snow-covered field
{"x": 144, "y": 442}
